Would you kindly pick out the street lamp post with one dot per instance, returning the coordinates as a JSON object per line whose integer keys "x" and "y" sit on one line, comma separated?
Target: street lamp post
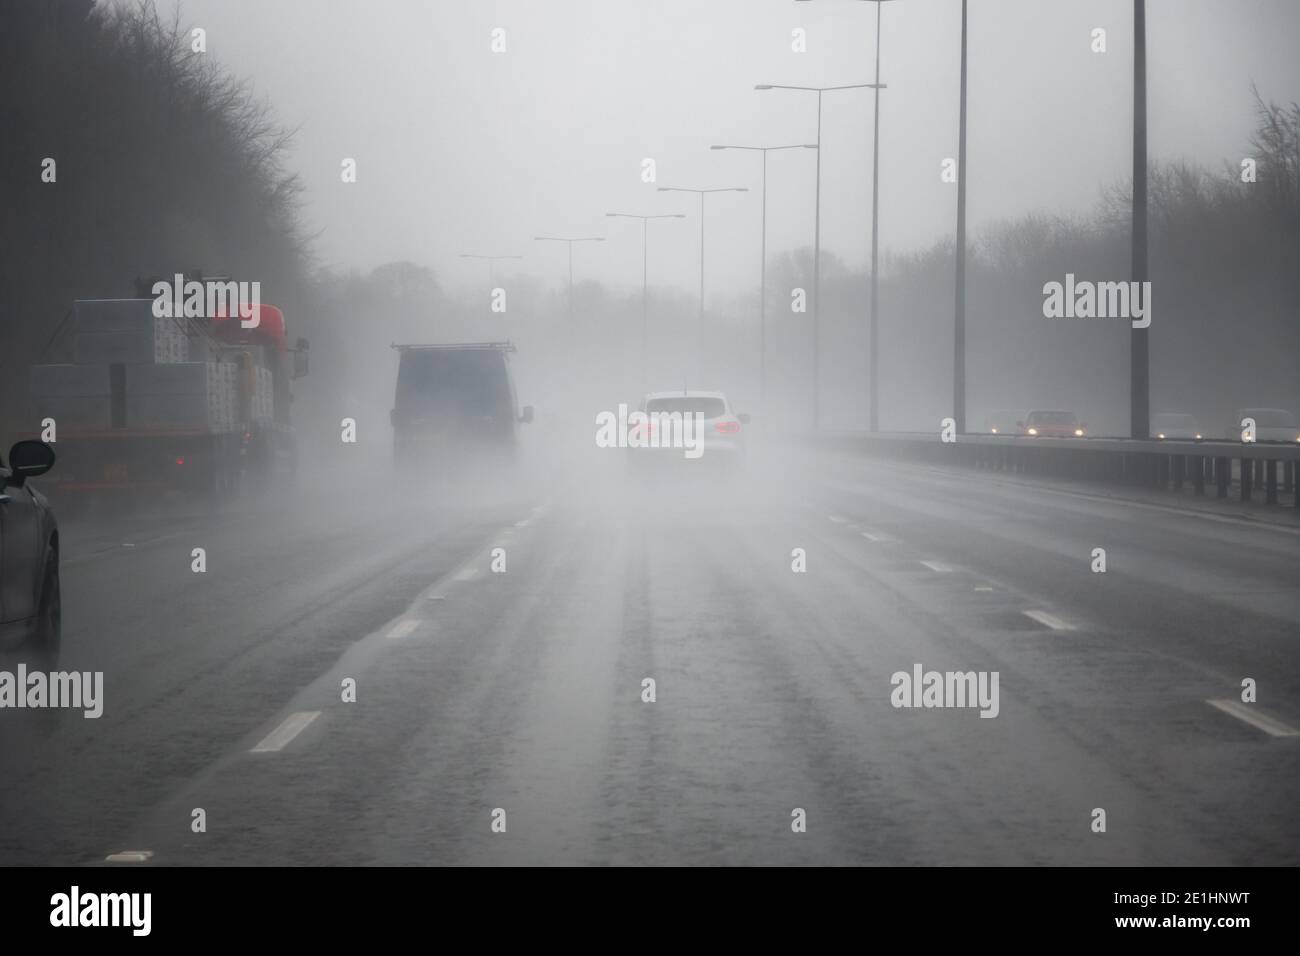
{"x": 491, "y": 261}
{"x": 570, "y": 243}
{"x": 644, "y": 259}
{"x": 817, "y": 229}
{"x": 959, "y": 318}
{"x": 702, "y": 193}
{"x": 1139, "y": 357}
{"x": 762, "y": 282}
{"x": 873, "y": 365}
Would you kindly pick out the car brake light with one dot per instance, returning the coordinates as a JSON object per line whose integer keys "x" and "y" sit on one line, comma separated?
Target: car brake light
{"x": 180, "y": 461}
{"x": 729, "y": 427}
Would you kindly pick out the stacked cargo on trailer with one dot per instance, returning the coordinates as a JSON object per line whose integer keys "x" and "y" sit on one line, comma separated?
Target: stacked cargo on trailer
{"x": 156, "y": 403}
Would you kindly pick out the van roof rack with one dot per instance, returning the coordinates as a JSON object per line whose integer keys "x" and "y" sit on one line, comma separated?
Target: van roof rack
{"x": 506, "y": 346}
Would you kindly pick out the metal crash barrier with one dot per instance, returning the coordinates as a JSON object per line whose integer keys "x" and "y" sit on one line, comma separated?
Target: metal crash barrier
{"x": 1267, "y": 468}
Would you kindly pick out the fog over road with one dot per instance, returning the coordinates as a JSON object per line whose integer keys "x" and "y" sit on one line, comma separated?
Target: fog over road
{"x": 523, "y": 690}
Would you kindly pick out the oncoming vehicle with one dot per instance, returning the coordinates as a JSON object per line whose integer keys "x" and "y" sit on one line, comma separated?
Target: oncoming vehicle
{"x": 671, "y": 427}
{"x": 30, "y": 608}
{"x": 1001, "y": 421}
{"x": 1271, "y": 424}
{"x": 455, "y": 404}
{"x": 1174, "y": 426}
{"x": 1051, "y": 424}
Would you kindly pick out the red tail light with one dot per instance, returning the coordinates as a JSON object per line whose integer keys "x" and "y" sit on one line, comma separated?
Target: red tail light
{"x": 729, "y": 427}
{"x": 180, "y": 461}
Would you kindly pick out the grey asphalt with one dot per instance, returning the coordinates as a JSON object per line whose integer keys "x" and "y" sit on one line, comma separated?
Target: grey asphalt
{"x": 521, "y": 691}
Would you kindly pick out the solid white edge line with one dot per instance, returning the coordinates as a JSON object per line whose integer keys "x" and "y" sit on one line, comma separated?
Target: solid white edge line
{"x": 283, "y": 735}
{"x": 1245, "y": 712}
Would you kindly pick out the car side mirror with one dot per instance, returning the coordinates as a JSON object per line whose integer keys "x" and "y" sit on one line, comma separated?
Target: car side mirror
{"x": 526, "y": 414}
{"x": 300, "y": 363}
{"x": 744, "y": 418}
{"x": 27, "y": 459}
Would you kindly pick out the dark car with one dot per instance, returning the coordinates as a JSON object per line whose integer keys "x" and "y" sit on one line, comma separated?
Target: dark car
{"x": 455, "y": 405}
{"x": 30, "y": 609}
{"x": 1052, "y": 424}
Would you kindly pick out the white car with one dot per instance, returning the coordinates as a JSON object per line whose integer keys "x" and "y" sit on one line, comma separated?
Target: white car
{"x": 1271, "y": 424}
{"x": 667, "y": 431}
{"x": 1175, "y": 425}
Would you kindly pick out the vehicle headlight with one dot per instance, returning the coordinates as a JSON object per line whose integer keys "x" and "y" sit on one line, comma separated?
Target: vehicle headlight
{"x": 1198, "y": 438}
{"x": 994, "y": 430}
{"x": 1078, "y": 433}
{"x": 1033, "y": 431}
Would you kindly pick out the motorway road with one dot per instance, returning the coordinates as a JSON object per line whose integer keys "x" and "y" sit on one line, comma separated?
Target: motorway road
{"x": 521, "y": 690}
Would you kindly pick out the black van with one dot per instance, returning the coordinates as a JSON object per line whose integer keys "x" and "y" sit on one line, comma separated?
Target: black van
{"x": 455, "y": 404}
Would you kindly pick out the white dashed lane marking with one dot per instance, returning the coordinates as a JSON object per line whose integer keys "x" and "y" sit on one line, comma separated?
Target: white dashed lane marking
{"x": 1261, "y": 721}
{"x": 875, "y": 536}
{"x": 402, "y": 628}
{"x": 466, "y": 574}
{"x": 283, "y": 735}
{"x": 129, "y": 856}
{"x": 937, "y": 566}
{"x": 1048, "y": 620}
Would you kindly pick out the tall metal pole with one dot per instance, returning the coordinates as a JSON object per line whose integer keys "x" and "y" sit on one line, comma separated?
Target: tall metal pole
{"x": 701, "y": 262}
{"x": 873, "y": 422}
{"x": 817, "y": 232}
{"x": 817, "y": 275}
{"x": 569, "y": 241}
{"x": 491, "y": 265}
{"x": 645, "y": 334}
{"x": 701, "y": 193}
{"x": 873, "y": 389}
{"x": 762, "y": 302}
{"x": 645, "y": 294}
{"x": 762, "y": 282}
{"x": 959, "y": 320}
{"x": 1139, "y": 383}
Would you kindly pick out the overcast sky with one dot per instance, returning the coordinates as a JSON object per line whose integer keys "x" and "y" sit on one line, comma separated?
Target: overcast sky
{"x": 460, "y": 149}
